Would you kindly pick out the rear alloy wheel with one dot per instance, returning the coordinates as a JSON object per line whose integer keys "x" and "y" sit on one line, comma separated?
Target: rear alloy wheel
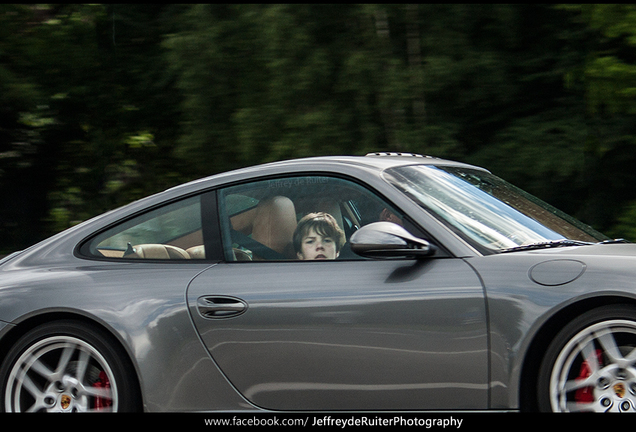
{"x": 65, "y": 367}
{"x": 591, "y": 364}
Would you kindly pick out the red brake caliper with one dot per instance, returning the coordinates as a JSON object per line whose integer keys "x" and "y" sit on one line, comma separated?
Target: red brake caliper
{"x": 586, "y": 394}
{"x": 103, "y": 382}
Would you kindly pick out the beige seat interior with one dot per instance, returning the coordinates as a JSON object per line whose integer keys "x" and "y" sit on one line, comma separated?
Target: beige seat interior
{"x": 196, "y": 252}
{"x": 157, "y": 251}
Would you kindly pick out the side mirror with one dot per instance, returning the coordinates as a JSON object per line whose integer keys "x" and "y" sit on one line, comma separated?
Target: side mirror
{"x": 388, "y": 240}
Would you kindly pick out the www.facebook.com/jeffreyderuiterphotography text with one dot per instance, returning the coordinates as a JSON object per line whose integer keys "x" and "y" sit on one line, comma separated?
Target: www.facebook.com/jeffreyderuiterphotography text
{"x": 343, "y": 422}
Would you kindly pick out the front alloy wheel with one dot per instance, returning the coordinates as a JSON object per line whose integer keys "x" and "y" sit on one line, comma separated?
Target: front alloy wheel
{"x": 591, "y": 364}
{"x": 64, "y": 367}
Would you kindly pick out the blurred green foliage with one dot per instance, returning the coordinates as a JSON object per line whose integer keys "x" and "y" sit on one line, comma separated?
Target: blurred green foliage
{"x": 103, "y": 104}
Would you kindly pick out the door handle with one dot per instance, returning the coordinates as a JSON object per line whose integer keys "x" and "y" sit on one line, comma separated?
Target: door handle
{"x": 220, "y": 306}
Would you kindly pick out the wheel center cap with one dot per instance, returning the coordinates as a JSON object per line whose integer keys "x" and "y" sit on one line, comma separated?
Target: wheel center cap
{"x": 619, "y": 389}
{"x": 65, "y": 401}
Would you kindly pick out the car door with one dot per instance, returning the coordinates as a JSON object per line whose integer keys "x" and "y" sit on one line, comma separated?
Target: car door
{"x": 344, "y": 334}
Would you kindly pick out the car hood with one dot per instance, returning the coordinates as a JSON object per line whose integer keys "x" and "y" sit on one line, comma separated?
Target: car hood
{"x": 600, "y": 249}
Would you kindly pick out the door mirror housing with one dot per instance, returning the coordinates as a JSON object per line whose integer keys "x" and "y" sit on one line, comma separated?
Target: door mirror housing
{"x": 389, "y": 240}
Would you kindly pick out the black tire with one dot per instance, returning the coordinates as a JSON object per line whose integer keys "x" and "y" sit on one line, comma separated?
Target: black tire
{"x": 67, "y": 366}
{"x": 591, "y": 364}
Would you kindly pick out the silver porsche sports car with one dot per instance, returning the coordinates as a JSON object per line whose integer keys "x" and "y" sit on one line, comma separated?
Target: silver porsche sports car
{"x": 381, "y": 282}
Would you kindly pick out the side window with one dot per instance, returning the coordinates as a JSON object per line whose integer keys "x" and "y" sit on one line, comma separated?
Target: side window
{"x": 173, "y": 232}
{"x": 297, "y": 218}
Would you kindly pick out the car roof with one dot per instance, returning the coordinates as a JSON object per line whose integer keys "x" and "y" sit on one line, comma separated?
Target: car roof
{"x": 377, "y": 161}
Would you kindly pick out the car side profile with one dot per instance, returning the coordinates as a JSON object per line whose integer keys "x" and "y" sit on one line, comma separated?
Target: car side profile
{"x": 441, "y": 286}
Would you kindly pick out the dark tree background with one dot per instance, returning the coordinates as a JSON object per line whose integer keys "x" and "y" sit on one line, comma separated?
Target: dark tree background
{"x": 103, "y": 104}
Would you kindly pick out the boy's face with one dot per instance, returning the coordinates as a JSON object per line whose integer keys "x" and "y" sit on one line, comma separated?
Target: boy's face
{"x": 315, "y": 246}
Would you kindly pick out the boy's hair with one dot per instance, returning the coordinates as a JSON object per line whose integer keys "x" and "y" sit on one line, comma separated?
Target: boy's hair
{"x": 324, "y": 224}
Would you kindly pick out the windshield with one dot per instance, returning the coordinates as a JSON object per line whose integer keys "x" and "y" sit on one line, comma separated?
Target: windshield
{"x": 488, "y": 212}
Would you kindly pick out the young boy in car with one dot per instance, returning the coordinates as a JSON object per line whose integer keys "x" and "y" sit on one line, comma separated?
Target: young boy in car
{"x": 318, "y": 236}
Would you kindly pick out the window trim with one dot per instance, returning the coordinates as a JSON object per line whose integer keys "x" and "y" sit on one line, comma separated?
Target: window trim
{"x": 211, "y": 227}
